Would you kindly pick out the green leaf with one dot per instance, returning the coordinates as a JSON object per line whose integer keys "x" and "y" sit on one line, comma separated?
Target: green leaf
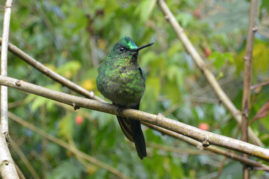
{"x": 221, "y": 58}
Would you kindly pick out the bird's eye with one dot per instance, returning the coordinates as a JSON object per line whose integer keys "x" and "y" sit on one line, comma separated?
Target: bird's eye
{"x": 122, "y": 49}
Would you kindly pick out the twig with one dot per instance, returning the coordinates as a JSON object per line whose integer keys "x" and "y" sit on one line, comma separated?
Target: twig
{"x": 50, "y": 73}
{"x": 66, "y": 146}
{"x": 183, "y": 151}
{"x": 260, "y": 85}
{"x": 21, "y": 176}
{"x": 209, "y": 148}
{"x": 225, "y": 158}
{"x": 82, "y": 160}
{"x": 252, "y": 28}
{"x": 202, "y": 66}
{"x": 220, "y": 170}
{"x": 176, "y": 126}
{"x": 7, "y": 166}
{"x": 24, "y": 159}
{"x": 16, "y": 104}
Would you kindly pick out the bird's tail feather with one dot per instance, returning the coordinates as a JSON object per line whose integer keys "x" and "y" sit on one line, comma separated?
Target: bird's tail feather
{"x": 132, "y": 130}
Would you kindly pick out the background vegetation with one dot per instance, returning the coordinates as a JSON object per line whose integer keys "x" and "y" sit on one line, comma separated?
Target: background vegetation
{"x": 72, "y": 37}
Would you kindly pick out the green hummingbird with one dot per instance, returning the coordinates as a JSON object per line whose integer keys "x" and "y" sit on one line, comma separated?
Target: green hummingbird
{"x": 121, "y": 80}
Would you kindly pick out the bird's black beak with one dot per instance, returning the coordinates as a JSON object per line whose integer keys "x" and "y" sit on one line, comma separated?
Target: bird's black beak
{"x": 144, "y": 46}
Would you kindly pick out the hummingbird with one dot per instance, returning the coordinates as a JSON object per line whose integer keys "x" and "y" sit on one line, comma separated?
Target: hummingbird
{"x": 121, "y": 80}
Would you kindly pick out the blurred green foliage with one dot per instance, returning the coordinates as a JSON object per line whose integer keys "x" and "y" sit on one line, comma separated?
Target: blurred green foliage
{"x": 72, "y": 37}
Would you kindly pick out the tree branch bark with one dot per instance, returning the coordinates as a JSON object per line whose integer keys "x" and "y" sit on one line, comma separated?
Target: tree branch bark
{"x": 252, "y": 28}
{"x": 213, "y": 149}
{"x": 202, "y": 66}
{"x": 205, "y": 137}
{"x": 50, "y": 73}
{"x": 7, "y": 166}
{"x": 197, "y": 144}
{"x": 4, "y": 54}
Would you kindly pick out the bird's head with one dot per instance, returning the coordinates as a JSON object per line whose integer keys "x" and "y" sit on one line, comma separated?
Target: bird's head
{"x": 127, "y": 48}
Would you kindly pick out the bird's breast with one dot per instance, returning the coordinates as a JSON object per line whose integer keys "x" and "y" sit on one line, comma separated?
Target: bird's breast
{"x": 122, "y": 84}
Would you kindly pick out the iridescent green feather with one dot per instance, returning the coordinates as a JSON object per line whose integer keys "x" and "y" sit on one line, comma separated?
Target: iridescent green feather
{"x": 121, "y": 80}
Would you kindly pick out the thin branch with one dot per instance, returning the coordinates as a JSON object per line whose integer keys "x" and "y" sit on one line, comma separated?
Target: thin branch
{"x": 21, "y": 176}
{"x": 202, "y": 66}
{"x": 66, "y": 146}
{"x": 50, "y": 73}
{"x": 24, "y": 159}
{"x": 7, "y": 166}
{"x": 225, "y": 158}
{"x": 252, "y": 28}
{"x": 4, "y": 53}
{"x": 22, "y": 54}
{"x": 190, "y": 141}
{"x": 260, "y": 85}
{"x": 204, "y": 136}
{"x": 183, "y": 151}
{"x": 16, "y": 104}
{"x": 213, "y": 149}
{"x": 86, "y": 164}
{"x": 18, "y": 52}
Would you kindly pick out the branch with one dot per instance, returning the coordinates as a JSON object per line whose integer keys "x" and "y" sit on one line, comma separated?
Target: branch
{"x": 7, "y": 166}
{"x": 21, "y": 176}
{"x": 260, "y": 85}
{"x": 4, "y": 47}
{"x": 202, "y": 66}
{"x": 213, "y": 149}
{"x": 72, "y": 86}
{"x": 50, "y": 73}
{"x": 66, "y": 146}
{"x": 190, "y": 141}
{"x": 190, "y": 131}
{"x": 182, "y": 151}
{"x": 30, "y": 60}
{"x": 252, "y": 28}
{"x": 24, "y": 159}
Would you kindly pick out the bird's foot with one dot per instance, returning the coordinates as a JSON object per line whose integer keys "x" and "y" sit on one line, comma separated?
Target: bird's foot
{"x": 120, "y": 109}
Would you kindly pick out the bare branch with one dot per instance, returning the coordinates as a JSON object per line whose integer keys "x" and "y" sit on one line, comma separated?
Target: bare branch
{"x": 202, "y": 66}
{"x": 252, "y": 28}
{"x": 213, "y": 149}
{"x": 207, "y": 138}
{"x": 192, "y": 142}
{"x": 7, "y": 166}
{"x": 4, "y": 52}
{"x": 26, "y": 58}
{"x": 50, "y": 73}
{"x": 183, "y": 151}
{"x": 260, "y": 85}
{"x": 66, "y": 146}
{"x": 21, "y": 176}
